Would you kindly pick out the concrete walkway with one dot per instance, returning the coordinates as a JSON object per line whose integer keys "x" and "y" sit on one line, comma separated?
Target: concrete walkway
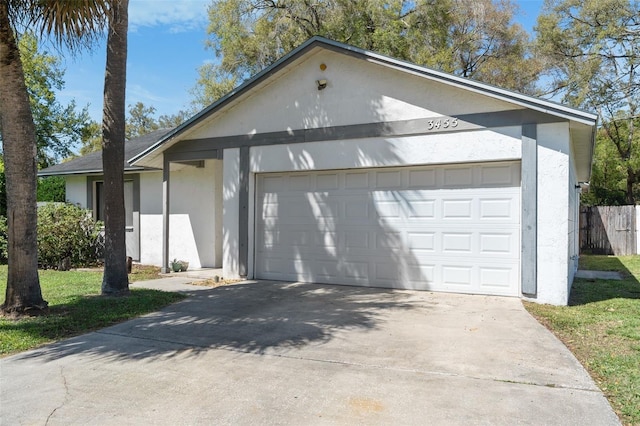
{"x": 292, "y": 354}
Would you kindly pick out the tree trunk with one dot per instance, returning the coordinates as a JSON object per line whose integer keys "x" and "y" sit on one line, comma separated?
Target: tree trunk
{"x": 115, "y": 281}
{"x": 631, "y": 180}
{"x": 23, "y": 295}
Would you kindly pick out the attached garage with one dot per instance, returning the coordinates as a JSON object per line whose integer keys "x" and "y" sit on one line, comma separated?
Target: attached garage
{"x": 343, "y": 166}
{"x": 443, "y": 228}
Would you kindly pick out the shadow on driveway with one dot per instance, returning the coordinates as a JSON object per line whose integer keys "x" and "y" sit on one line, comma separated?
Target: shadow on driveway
{"x": 252, "y": 318}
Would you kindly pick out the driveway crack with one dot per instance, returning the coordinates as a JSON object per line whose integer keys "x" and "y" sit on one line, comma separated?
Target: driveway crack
{"x": 66, "y": 395}
{"x": 356, "y": 364}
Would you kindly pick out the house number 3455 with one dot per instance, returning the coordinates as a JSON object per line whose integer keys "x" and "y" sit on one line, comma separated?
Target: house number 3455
{"x": 442, "y": 123}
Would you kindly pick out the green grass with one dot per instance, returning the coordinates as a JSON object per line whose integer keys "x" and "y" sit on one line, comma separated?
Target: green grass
{"x": 76, "y": 307}
{"x": 601, "y": 326}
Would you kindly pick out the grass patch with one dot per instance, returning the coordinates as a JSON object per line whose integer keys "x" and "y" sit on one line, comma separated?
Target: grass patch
{"x": 601, "y": 326}
{"x": 76, "y": 307}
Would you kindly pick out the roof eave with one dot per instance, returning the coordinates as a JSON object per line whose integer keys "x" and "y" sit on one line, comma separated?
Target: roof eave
{"x": 93, "y": 171}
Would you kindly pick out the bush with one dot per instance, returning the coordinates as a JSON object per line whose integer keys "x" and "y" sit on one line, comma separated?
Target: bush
{"x": 68, "y": 237}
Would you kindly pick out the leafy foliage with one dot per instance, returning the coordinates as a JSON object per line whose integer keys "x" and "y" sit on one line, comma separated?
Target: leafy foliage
{"x": 591, "y": 51}
{"x": 608, "y": 176}
{"x": 58, "y": 127}
{"x": 67, "y": 237}
{"x": 141, "y": 120}
{"x": 473, "y": 39}
{"x": 51, "y": 189}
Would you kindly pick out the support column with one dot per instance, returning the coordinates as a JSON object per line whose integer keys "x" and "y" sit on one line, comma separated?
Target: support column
{"x": 243, "y": 219}
{"x": 166, "y": 173}
{"x": 529, "y": 225}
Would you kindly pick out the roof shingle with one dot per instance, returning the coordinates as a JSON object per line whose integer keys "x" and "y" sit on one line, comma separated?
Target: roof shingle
{"x": 92, "y": 162}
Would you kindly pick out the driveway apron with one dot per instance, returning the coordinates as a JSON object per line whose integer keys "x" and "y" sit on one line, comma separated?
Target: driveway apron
{"x": 289, "y": 353}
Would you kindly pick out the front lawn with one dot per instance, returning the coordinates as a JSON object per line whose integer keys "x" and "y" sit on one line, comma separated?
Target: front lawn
{"x": 76, "y": 307}
{"x": 601, "y": 326}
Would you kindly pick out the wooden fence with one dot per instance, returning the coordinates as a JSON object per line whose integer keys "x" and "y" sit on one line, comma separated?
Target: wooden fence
{"x": 608, "y": 230}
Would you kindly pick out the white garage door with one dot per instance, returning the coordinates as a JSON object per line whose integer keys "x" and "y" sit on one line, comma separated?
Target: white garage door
{"x": 444, "y": 228}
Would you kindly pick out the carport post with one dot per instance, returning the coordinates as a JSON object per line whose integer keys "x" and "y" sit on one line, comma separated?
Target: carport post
{"x": 166, "y": 166}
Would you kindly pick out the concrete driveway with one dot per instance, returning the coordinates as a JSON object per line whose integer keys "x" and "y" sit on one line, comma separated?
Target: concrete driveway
{"x": 283, "y": 353}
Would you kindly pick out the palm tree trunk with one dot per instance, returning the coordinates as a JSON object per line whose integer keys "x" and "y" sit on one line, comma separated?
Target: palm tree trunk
{"x": 115, "y": 281}
{"x": 23, "y": 294}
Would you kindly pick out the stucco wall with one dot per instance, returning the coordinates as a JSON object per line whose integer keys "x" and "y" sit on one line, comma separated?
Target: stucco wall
{"x": 195, "y": 219}
{"x": 553, "y": 213}
{"x": 357, "y": 92}
{"x": 151, "y": 218}
{"x": 76, "y": 190}
{"x": 485, "y": 145}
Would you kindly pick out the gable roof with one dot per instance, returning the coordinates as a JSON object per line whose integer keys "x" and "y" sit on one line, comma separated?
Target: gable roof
{"x": 92, "y": 162}
{"x": 585, "y": 121}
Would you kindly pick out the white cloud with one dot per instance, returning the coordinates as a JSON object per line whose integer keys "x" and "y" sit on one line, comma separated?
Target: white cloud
{"x": 175, "y": 15}
{"x": 139, "y": 93}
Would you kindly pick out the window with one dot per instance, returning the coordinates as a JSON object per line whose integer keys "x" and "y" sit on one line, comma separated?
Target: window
{"x": 98, "y": 208}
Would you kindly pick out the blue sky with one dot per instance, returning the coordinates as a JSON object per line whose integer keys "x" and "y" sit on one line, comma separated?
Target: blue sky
{"x": 166, "y": 48}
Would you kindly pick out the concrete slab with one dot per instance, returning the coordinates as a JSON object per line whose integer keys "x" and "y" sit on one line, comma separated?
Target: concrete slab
{"x": 171, "y": 283}
{"x": 287, "y": 353}
{"x": 599, "y": 275}
{"x": 201, "y": 274}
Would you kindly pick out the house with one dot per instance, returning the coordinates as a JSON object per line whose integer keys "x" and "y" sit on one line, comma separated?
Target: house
{"x": 191, "y": 225}
{"x": 339, "y": 165}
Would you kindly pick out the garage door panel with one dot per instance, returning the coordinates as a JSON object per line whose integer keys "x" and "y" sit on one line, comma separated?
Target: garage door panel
{"x": 447, "y": 228}
{"x": 498, "y": 175}
{"x": 457, "y": 176}
{"x": 422, "y": 178}
{"x": 422, "y": 242}
{"x": 457, "y": 276}
{"x": 500, "y": 243}
{"x": 498, "y": 209}
{"x": 494, "y": 279}
{"x": 388, "y": 179}
{"x": 422, "y": 210}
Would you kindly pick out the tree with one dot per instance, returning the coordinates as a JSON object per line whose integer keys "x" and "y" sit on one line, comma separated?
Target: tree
{"x": 474, "y": 39}
{"x": 58, "y": 126}
{"x": 166, "y": 121}
{"x": 70, "y": 23}
{"x": 91, "y": 138}
{"x": 141, "y": 120}
{"x": 592, "y": 52}
{"x": 115, "y": 281}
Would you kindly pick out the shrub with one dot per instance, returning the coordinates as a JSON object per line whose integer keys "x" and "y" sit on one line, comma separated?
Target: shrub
{"x": 68, "y": 237}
